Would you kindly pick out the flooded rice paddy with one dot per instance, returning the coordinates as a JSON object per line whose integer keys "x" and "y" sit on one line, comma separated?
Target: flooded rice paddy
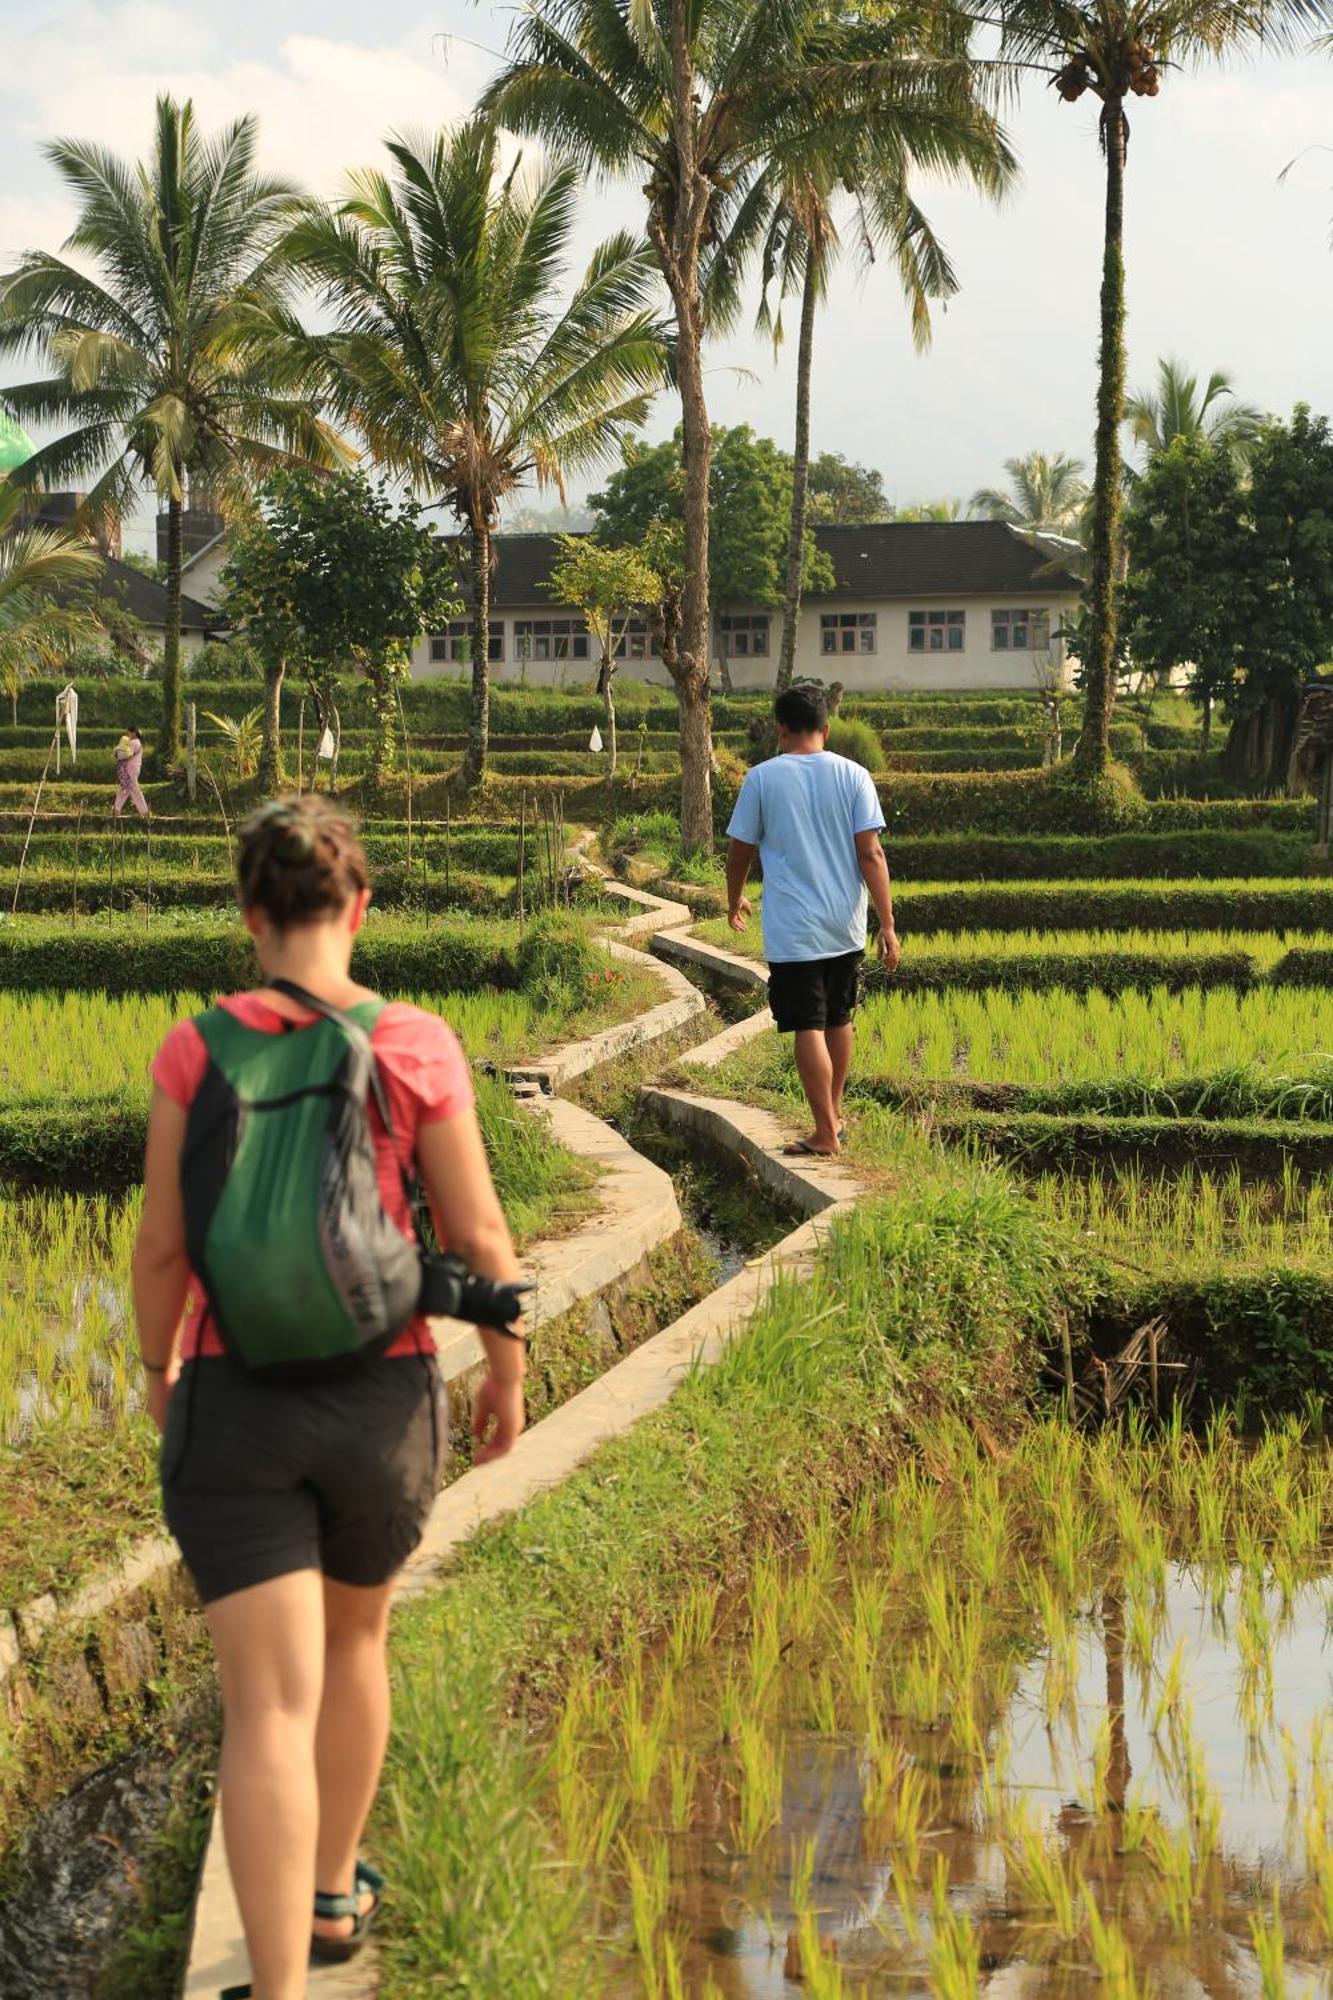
{"x": 1048, "y": 1722}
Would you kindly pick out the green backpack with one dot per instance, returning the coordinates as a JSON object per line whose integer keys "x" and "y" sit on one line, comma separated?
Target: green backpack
{"x": 304, "y": 1269}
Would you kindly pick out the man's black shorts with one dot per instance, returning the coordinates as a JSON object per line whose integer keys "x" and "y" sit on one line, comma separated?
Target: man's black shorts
{"x": 815, "y": 992}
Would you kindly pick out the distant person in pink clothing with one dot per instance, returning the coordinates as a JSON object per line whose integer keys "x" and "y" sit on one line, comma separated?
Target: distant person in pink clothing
{"x": 129, "y": 763}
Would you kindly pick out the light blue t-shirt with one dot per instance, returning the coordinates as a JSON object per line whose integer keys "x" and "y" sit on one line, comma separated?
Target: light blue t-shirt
{"x": 803, "y": 812}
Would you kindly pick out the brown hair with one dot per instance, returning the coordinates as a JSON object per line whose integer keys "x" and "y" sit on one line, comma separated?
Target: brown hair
{"x": 300, "y": 860}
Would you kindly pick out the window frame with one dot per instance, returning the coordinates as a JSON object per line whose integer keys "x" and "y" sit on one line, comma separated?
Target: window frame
{"x": 848, "y": 634}
{"x": 1035, "y": 617}
{"x": 749, "y": 626}
{"x": 942, "y": 619}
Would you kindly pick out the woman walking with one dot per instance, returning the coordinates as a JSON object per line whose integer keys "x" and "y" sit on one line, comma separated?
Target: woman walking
{"x": 129, "y": 763}
{"x": 296, "y": 1493}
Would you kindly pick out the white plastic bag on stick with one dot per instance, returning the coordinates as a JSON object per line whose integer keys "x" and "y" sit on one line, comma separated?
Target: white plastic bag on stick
{"x": 326, "y": 745}
{"x": 67, "y": 711}
{"x": 595, "y": 740}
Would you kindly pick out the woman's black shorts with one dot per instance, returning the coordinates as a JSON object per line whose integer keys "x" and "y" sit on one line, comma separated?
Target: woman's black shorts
{"x": 815, "y": 992}
{"x": 263, "y": 1478}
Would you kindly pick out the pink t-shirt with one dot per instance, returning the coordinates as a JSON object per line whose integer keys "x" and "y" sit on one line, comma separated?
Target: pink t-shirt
{"x": 426, "y": 1080}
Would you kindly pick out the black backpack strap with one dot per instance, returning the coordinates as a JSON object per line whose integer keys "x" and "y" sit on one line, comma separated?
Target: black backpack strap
{"x": 351, "y": 1029}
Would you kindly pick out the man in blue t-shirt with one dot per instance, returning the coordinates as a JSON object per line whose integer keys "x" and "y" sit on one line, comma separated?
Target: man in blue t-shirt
{"x": 814, "y": 820}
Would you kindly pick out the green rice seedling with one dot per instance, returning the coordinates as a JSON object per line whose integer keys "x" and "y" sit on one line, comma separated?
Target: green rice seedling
{"x": 825, "y": 1703}
{"x": 642, "y": 1738}
{"x": 649, "y": 1882}
{"x": 1267, "y": 1937}
{"x": 761, "y": 1783}
{"x": 919, "y": 1685}
{"x": 1319, "y": 1863}
{"x": 1173, "y": 1858}
{"x": 1111, "y": 1953}
{"x": 905, "y": 1895}
{"x": 730, "y": 1708}
{"x": 1043, "y": 1884}
{"x": 691, "y": 1631}
{"x": 683, "y": 1781}
{"x": 955, "y": 1949}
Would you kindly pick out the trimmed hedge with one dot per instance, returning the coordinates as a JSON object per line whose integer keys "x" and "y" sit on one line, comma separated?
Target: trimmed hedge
{"x": 1212, "y": 855}
{"x": 1239, "y": 815}
{"x": 1245, "y": 1093}
{"x": 186, "y": 889}
{"x": 1180, "y": 772}
{"x": 962, "y": 760}
{"x": 1109, "y": 971}
{"x": 1167, "y": 906}
{"x": 212, "y": 955}
{"x": 1043, "y": 1142}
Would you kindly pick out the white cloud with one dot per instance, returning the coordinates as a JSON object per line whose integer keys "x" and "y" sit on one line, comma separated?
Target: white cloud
{"x": 323, "y": 104}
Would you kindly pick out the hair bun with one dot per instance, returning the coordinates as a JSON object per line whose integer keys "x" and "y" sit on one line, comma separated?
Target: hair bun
{"x": 300, "y": 860}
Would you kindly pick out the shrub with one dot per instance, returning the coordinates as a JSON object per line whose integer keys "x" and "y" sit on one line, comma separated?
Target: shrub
{"x": 1108, "y": 970}
{"x": 1041, "y": 801}
{"x": 1208, "y": 854}
{"x": 849, "y": 737}
{"x": 1173, "y": 906}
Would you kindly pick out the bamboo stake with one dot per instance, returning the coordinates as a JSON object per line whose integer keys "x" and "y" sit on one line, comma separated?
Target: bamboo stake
{"x": 78, "y": 840}
{"x": 191, "y": 770}
{"x": 407, "y": 758}
{"x": 522, "y": 843}
{"x": 1067, "y": 1344}
{"x": 448, "y": 846}
{"x": 300, "y": 748}
{"x": 37, "y": 799}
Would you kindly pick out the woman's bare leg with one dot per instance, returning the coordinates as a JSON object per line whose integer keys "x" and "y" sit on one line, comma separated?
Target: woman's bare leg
{"x": 270, "y": 1648}
{"x": 352, "y": 1734}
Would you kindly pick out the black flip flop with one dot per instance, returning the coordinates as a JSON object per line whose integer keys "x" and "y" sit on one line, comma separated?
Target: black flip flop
{"x": 337, "y": 1950}
{"x": 801, "y": 1149}
{"x": 236, "y": 1993}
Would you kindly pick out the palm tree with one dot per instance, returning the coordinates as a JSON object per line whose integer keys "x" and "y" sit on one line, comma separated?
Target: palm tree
{"x": 1118, "y": 50}
{"x": 167, "y": 361}
{"x": 955, "y": 136}
{"x": 1044, "y": 496}
{"x": 1179, "y": 407}
{"x": 701, "y": 100}
{"x": 35, "y": 563}
{"x": 450, "y": 355}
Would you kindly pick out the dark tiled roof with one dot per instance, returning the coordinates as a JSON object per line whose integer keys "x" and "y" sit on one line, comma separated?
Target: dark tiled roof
{"x": 907, "y": 559}
{"x": 939, "y": 558}
{"x": 146, "y": 598}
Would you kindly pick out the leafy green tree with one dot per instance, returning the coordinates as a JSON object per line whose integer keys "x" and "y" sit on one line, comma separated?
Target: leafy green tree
{"x": 947, "y": 132}
{"x": 702, "y": 101}
{"x": 608, "y": 586}
{"x": 1286, "y": 567}
{"x": 450, "y": 352}
{"x": 1179, "y": 406}
{"x": 338, "y": 576}
{"x": 933, "y": 510}
{"x": 846, "y": 494}
{"x": 750, "y": 498}
{"x": 1183, "y": 601}
{"x": 1118, "y": 49}
{"x": 171, "y": 358}
{"x": 1044, "y": 495}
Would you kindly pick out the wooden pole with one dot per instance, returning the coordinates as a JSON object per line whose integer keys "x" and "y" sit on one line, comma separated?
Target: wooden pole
{"x": 74, "y": 895}
{"x": 18, "y": 880}
{"x": 448, "y": 845}
{"x": 300, "y": 748}
{"x": 191, "y": 772}
{"x": 522, "y": 843}
{"x": 407, "y": 759}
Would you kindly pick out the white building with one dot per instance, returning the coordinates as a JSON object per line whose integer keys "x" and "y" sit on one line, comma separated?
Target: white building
{"x": 941, "y": 605}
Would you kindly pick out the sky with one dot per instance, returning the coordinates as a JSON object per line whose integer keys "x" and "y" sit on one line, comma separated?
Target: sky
{"x": 1228, "y": 267}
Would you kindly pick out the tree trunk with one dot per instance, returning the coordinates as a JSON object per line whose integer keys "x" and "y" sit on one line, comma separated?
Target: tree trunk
{"x": 271, "y": 774}
{"x": 1260, "y": 742}
{"x": 800, "y": 481}
{"x": 382, "y": 706}
{"x": 678, "y": 241}
{"x": 479, "y": 725}
{"x": 1093, "y": 752}
{"x": 1206, "y": 732}
{"x": 609, "y": 695}
{"x": 171, "y": 643}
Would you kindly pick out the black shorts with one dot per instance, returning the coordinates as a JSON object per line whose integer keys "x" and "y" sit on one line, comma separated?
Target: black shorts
{"x": 816, "y": 992}
{"x": 263, "y": 1478}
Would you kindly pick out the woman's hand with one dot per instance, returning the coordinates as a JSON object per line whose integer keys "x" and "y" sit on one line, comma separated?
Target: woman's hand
{"x": 161, "y": 1382}
{"x": 497, "y": 1410}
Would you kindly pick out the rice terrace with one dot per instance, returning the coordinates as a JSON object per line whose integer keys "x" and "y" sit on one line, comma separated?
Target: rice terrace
{"x": 864, "y": 960}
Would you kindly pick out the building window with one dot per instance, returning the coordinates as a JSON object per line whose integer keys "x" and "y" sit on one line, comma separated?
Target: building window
{"x": 455, "y": 642}
{"x": 1020, "y": 631}
{"x": 847, "y": 631}
{"x": 550, "y": 639}
{"x": 744, "y": 638}
{"x": 935, "y": 631}
{"x": 636, "y": 642}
